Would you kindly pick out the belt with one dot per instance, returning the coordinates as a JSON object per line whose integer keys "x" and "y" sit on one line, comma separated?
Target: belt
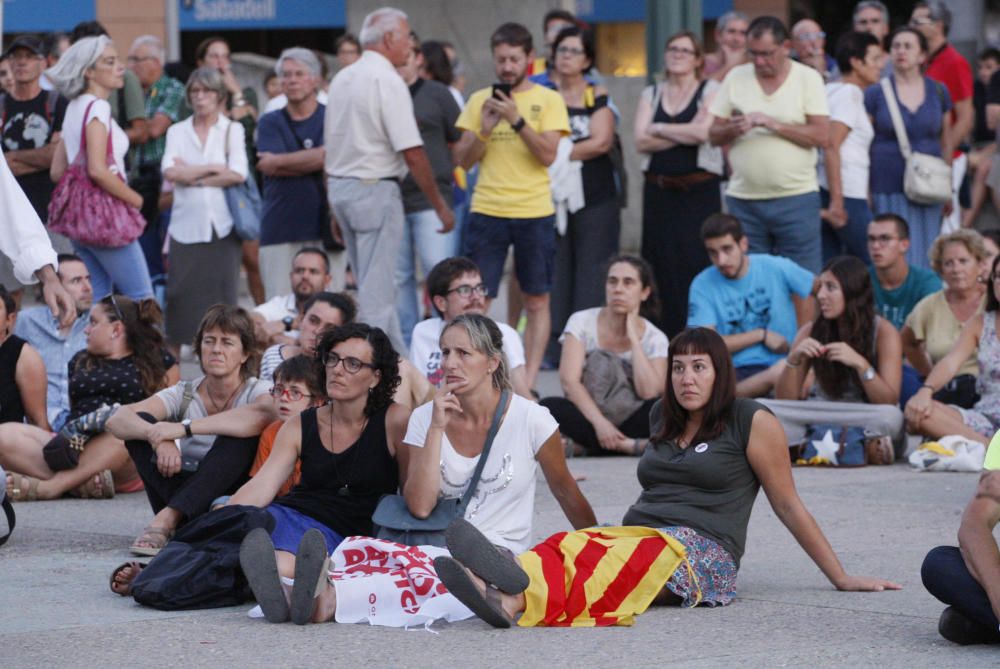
{"x": 395, "y": 180}
{"x": 680, "y": 182}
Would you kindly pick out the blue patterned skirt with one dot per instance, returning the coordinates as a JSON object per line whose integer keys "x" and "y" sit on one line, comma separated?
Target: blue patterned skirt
{"x": 713, "y": 568}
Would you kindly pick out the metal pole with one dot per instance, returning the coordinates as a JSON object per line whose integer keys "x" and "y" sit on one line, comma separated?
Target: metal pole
{"x": 173, "y": 29}
{"x": 663, "y": 19}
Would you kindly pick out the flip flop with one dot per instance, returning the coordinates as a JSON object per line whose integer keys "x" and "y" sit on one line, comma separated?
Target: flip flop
{"x": 486, "y": 605}
{"x": 261, "y": 569}
{"x": 471, "y": 547}
{"x": 135, "y": 566}
{"x": 23, "y": 488}
{"x": 311, "y": 562}
{"x": 154, "y": 538}
{"x": 91, "y": 490}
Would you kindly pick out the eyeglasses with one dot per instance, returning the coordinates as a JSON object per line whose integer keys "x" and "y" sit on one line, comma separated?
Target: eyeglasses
{"x": 680, "y": 50}
{"x": 114, "y": 305}
{"x": 294, "y": 394}
{"x": 569, "y": 51}
{"x": 465, "y": 290}
{"x": 351, "y": 364}
{"x": 881, "y": 239}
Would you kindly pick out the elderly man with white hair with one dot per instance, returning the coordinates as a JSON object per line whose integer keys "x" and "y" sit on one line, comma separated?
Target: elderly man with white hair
{"x": 164, "y": 98}
{"x": 290, "y": 156}
{"x": 372, "y": 139}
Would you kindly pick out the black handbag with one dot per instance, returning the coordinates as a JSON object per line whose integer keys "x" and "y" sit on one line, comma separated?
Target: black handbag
{"x": 394, "y": 522}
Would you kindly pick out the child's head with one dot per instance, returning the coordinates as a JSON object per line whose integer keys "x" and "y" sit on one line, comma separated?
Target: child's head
{"x": 297, "y": 387}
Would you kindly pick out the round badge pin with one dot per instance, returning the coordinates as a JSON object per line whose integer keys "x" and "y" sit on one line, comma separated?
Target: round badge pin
{"x": 701, "y": 448}
{"x": 308, "y": 143}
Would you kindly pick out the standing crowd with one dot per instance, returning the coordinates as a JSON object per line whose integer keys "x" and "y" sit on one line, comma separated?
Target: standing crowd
{"x": 809, "y": 264}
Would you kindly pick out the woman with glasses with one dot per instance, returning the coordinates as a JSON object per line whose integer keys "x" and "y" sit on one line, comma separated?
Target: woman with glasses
{"x": 124, "y": 361}
{"x": 613, "y": 364}
{"x": 88, "y": 74}
{"x": 195, "y": 441}
{"x": 592, "y": 226}
{"x": 936, "y": 322}
{"x": 682, "y": 173}
{"x": 203, "y": 155}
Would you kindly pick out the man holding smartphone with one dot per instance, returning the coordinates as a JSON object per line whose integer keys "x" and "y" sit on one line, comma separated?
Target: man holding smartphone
{"x": 513, "y": 129}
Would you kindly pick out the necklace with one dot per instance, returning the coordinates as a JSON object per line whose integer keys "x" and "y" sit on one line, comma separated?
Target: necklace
{"x": 345, "y": 488}
{"x": 216, "y": 406}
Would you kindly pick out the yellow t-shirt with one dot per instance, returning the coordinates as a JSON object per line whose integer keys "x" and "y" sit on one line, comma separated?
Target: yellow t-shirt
{"x": 933, "y": 323}
{"x": 512, "y": 182}
{"x": 765, "y": 164}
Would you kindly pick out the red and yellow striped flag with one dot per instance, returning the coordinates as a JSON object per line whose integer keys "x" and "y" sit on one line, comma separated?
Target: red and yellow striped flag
{"x": 597, "y": 577}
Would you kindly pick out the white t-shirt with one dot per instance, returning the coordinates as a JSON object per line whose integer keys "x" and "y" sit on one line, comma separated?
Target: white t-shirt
{"x": 583, "y": 326}
{"x": 504, "y": 503}
{"x": 278, "y": 307}
{"x": 847, "y": 105}
{"x": 101, "y": 110}
{"x": 425, "y": 354}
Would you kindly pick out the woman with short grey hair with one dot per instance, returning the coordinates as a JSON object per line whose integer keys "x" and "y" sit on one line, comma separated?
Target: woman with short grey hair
{"x": 88, "y": 73}
{"x": 204, "y": 154}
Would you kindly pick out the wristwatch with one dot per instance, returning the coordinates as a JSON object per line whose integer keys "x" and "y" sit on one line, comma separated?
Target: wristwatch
{"x": 868, "y": 375}
{"x": 518, "y": 125}
{"x": 187, "y": 428}
{"x": 288, "y": 320}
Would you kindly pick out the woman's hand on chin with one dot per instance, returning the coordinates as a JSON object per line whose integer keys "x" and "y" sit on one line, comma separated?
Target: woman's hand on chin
{"x": 865, "y": 584}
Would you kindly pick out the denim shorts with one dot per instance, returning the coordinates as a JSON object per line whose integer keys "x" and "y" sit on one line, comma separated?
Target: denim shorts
{"x": 487, "y": 238}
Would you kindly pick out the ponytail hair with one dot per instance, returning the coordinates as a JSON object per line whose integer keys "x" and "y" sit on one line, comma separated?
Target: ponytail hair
{"x": 141, "y": 320}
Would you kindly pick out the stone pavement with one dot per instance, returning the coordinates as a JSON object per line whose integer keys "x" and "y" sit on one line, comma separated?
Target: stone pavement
{"x": 56, "y": 609}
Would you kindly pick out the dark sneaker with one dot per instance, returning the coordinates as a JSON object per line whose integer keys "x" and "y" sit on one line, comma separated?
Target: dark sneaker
{"x": 956, "y": 628}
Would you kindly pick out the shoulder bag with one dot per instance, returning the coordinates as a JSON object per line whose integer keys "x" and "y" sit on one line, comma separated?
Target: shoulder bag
{"x": 243, "y": 202}
{"x": 394, "y": 522}
{"x": 926, "y": 178}
{"x": 85, "y": 212}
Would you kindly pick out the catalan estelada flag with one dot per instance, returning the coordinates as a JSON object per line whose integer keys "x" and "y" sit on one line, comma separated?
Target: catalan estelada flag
{"x": 597, "y": 577}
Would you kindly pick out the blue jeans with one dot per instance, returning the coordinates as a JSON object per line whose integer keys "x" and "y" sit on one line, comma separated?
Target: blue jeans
{"x": 421, "y": 239}
{"x": 852, "y": 239}
{"x": 123, "y": 268}
{"x": 785, "y": 226}
{"x": 946, "y": 576}
{"x": 487, "y": 239}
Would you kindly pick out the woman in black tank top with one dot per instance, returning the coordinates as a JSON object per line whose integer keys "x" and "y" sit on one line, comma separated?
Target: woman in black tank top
{"x": 348, "y": 451}
{"x": 681, "y": 175}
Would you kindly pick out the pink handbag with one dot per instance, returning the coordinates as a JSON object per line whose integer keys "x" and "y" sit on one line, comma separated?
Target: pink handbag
{"x": 85, "y": 212}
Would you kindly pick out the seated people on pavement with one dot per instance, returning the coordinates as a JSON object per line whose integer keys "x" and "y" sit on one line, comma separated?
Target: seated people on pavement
{"x": 195, "y": 440}
{"x": 22, "y": 372}
{"x": 933, "y": 327}
{"x": 56, "y": 344}
{"x": 710, "y": 456}
{"x": 934, "y": 419}
{"x": 613, "y": 364}
{"x": 456, "y": 287}
{"x": 754, "y": 300}
{"x": 124, "y": 361}
{"x": 855, "y": 358}
{"x": 278, "y": 318}
{"x": 444, "y": 440}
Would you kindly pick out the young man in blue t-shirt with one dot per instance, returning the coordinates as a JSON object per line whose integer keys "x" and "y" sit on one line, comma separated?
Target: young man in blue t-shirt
{"x": 897, "y": 285}
{"x": 755, "y": 301}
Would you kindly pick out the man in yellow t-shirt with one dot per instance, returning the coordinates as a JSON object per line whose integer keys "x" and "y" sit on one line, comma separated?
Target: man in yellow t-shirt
{"x": 514, "y": 138}
{"x": 773, "y": 112}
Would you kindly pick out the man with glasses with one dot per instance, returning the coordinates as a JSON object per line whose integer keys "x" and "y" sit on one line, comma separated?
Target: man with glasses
{"x": 809, "y": 45}
{"x": 946, "y": 65}
{"x": 164, "y": 97}
{"x": 897, "y": 285}
{"x": 456, "y": 287}
{"x": 773, "y": 112}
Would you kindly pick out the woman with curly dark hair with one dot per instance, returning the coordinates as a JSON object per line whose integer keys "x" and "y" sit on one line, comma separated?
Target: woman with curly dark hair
{"x": 350, "y": 452}
{"x": 855, "y": 354}
{"x": 124, "y": 361}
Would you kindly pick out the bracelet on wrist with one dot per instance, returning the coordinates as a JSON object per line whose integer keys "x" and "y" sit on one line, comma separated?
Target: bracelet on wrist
{"x": 789, "y": 363}
{"x": 928, "y": 387}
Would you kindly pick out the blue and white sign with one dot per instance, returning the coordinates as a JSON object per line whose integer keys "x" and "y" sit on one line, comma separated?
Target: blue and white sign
{"x": 42, "y": 16}
{"x": 261, "y": 14}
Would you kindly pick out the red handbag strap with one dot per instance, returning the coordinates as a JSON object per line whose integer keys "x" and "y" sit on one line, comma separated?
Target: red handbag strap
{"x": 109, "y": 152}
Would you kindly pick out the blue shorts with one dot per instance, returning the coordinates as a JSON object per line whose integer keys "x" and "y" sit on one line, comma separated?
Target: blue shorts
{"x": 290, "y": 525}
{"x": 487, "y": 238}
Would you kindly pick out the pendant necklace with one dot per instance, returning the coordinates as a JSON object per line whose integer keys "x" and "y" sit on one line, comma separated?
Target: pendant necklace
{"x": 345, "y": 488}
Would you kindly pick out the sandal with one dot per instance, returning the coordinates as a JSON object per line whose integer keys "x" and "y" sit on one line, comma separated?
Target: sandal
{"x": 99, "y": 486}
{"x": 471, "y": 547}
{"x": 151, "y": 541}
{"x": 22, "y": 488}
{"x": 311, "y": 565}
{"x": 486, "y": 605}
{"x": 261, "y": 569}
{"x": 126, "y": 586}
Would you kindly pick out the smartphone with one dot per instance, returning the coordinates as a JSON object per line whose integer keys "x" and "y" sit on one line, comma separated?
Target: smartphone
{"x": 501, "y": 87}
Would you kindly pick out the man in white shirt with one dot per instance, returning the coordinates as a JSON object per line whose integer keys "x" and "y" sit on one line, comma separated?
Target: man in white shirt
{"x": 371, "y": 137}
{"x": 276, "y": 318}
{"x": 455, "y": 288}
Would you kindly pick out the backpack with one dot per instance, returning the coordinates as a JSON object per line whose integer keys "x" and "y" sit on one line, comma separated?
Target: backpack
{"x": 616, "y": 154}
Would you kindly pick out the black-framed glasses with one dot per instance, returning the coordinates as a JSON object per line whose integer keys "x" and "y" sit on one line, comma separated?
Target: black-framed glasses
{"x": 114, "y": 305}
{"x": 294, "y": 394}
{"x": 351, "y": 364}
{"x": 466, "y": 289}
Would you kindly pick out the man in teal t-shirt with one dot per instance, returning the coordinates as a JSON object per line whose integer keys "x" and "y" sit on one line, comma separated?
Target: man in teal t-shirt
{"x": 897, "y": 285}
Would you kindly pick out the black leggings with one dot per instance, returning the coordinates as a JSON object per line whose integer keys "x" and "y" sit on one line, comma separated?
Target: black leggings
{"x": 573, "y": 424}
{"x": 222, "y": 471}
{"x": 946, "y": 577}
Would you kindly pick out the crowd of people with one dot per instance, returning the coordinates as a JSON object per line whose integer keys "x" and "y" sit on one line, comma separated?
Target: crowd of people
{"x": 784, "y": 283}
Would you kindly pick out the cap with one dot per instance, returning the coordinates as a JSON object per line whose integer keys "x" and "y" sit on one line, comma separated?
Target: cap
{"x": 28, "y": 42}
